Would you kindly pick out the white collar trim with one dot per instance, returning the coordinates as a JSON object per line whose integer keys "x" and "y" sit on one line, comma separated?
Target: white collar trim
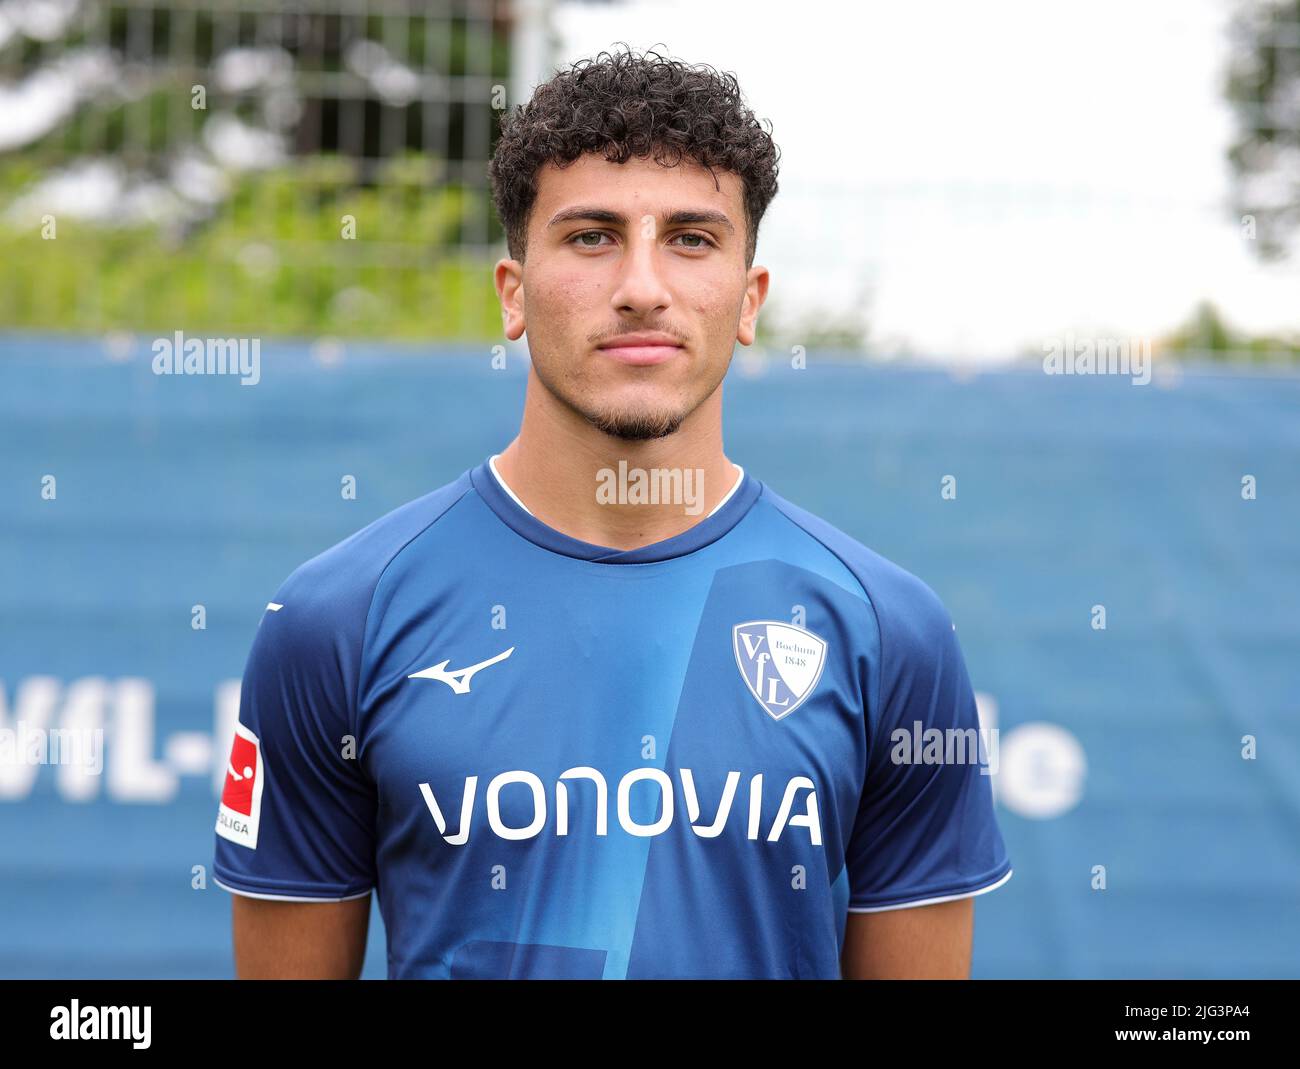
{"x": 492, "y": 464}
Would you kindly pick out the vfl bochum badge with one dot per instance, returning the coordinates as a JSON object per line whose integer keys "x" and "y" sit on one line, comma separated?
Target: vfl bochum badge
{"x": 780, "y": 663}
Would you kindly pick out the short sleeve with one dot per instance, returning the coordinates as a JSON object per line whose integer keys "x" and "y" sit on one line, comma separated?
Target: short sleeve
{"x": 925, "y": 830}
{"x": 297, "y": 814}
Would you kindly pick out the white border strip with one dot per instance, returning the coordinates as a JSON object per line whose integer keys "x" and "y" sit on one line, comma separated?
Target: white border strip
{"x": 287, "y": 898}
{"x": 932, "y": 901}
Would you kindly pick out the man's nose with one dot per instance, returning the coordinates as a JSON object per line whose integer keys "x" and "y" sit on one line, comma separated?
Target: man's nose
{"x": 641, "y": 287}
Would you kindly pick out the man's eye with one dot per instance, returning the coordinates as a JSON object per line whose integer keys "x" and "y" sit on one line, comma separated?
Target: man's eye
{"x": 590, "y": 239}
{"x": 703, "y": 241}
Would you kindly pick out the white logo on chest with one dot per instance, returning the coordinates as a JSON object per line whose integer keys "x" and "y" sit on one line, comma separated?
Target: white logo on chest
{"x": 458, "y": 680}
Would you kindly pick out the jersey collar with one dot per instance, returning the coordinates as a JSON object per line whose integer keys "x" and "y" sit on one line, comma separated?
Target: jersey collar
{"x": 522, "y": 522}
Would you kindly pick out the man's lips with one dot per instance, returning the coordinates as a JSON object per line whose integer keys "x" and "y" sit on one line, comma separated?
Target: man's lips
{"x": 641, "y": 350}
{"x": 642, "y": 355}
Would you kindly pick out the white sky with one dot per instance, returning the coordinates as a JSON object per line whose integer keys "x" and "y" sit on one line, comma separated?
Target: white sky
{"x": 990, "y": 174}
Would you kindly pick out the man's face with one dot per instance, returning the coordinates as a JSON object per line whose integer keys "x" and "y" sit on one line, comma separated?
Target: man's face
{"x": 633, "y": 248}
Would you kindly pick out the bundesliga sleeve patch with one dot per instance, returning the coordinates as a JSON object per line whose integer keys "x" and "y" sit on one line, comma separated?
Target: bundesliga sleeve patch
{"x": 241, "y": 798}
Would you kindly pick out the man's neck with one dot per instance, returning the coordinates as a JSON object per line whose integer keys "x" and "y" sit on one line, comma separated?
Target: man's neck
{"x": 596, "y": 488}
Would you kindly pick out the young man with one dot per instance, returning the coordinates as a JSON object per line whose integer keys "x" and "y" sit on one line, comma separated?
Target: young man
{"x": 567, "y": 732}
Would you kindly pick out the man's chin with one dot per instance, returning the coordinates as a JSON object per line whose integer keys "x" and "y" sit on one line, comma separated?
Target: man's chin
{"x": 635, "y": 426}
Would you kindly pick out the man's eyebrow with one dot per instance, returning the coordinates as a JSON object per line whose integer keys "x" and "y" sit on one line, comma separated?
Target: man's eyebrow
{"x": 682, "y": 217}
{"x": 699, "y": 215}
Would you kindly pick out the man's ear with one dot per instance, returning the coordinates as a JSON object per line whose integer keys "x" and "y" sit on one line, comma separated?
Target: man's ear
{"x": 508, "y": 277}
{"x": 755, "y": 294}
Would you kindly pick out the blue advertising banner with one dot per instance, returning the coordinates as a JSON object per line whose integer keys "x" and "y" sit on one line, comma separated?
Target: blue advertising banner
{"x": 1121, "y": 560}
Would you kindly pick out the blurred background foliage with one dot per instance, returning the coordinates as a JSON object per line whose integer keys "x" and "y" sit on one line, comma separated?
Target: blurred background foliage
{"x": 129, "y": 203}
{"x": 217, "y": 168}
{"x": 273, "y": 259}
{"x": 1263, "y": 89}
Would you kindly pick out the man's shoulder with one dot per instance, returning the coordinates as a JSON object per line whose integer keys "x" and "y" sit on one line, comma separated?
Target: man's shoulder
{"x": 340, "y": 580}
{"x": 905, "y": 605}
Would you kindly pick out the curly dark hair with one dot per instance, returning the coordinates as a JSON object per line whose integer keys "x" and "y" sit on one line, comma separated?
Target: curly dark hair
{"x": 621, "y": 105}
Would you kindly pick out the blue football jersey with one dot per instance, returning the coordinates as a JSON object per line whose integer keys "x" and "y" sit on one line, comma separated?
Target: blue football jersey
{"x": 550, "y": 758}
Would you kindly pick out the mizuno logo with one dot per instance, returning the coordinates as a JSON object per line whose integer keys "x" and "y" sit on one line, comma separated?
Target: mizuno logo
{"x": 459, "y": 679}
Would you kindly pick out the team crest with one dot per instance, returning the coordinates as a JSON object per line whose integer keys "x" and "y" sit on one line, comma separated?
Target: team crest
{"x": 780, "y": 663}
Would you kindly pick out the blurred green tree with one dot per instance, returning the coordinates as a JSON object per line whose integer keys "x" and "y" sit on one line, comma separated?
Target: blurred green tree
{"x": 1263, "y": 87}
{"x": 1207, "y": 334}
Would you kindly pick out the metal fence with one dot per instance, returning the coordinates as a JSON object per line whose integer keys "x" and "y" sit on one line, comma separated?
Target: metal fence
{"x": 302, "y": 167}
